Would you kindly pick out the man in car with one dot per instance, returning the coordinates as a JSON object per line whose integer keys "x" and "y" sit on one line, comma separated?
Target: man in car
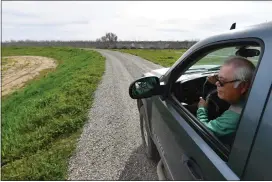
{"x": 232, "y": 81}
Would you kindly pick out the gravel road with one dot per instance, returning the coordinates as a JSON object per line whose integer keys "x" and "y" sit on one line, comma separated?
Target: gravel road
{"x": 110, "y": 146}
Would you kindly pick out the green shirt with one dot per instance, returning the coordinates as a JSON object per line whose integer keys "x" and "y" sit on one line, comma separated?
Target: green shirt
{"x": 222, "y": 125}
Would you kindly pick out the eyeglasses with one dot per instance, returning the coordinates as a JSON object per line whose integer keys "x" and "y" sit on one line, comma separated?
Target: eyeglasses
{"x": 222, "y": 84}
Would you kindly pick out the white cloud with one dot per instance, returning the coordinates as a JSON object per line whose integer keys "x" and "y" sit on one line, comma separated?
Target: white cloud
{"x": 161, "y": 20}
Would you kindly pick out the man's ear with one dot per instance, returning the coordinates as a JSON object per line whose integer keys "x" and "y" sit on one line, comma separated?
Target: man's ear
{"x": 244, "y": 87}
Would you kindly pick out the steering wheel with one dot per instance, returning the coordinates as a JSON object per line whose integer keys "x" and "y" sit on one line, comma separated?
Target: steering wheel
{"x": 216, "y": 106}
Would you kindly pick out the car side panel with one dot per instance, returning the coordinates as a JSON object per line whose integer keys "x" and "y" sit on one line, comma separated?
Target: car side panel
{"x": 170, "y": 152}
{"x": 178, "y": 140}
{"x": 147, "y": 103}
{"x": 259, "y": 164}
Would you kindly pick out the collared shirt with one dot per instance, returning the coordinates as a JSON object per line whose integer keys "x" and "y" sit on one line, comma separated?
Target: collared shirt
{"x": 224, "y": 124}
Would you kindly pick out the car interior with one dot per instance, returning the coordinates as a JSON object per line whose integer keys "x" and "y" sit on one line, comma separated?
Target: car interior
{"x": 188, "y": 92}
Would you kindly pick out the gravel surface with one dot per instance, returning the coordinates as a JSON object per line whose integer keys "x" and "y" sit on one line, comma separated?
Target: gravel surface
{"x": 110, "y": 146}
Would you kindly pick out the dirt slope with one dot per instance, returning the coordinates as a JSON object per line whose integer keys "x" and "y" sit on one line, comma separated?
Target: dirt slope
{"x": 17, "y": 70}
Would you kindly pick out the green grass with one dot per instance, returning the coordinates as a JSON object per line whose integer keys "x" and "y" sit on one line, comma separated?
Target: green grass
{"x": 165, "y": 57}
{"x": 210, "y": 61}
{"x": 42, "y": 121}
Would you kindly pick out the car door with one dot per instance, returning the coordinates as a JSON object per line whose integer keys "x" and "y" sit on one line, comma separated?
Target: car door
{"x": 259, "y": 162}
{"x": 185, "y": 151}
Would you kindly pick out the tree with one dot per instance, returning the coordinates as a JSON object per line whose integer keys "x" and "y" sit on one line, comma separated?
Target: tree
{"x": 109, "y": 37}
{"x": 109, "y": 40}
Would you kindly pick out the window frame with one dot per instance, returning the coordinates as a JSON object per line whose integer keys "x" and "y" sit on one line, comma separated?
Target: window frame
{"x": 183, "y": 65}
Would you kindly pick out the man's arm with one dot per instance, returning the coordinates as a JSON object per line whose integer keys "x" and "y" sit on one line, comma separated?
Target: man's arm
{"x": 222, "y": 125}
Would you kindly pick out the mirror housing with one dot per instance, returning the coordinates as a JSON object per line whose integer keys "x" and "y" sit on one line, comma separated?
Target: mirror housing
{"x": 247, "y": 52}
{"x": 145, "y": 87}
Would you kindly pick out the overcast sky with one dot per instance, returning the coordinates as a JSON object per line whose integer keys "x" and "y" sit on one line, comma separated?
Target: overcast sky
{"x": 130, "y": 20}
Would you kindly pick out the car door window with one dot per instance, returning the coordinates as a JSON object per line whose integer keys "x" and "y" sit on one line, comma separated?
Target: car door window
{"x": 193, "y": 84}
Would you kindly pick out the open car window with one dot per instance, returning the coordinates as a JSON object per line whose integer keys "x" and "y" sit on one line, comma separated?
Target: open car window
{"x": 193, "y": 84}
{"x": 216, "y": 58}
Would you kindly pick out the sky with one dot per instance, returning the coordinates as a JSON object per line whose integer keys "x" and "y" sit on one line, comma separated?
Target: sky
{"x": 129, "y": 20}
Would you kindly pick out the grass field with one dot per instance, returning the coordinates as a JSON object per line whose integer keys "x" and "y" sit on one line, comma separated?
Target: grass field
{"x": 167, "y": 57}
{"x": 42, "y": 121}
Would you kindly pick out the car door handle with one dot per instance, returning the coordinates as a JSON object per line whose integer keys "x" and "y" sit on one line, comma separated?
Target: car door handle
{"x": 193, "y": 168}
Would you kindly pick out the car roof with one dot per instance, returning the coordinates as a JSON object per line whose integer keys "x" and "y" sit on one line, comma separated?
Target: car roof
{"x": 262, "y": 31}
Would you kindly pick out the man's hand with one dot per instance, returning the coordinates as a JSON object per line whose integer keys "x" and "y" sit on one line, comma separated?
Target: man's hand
{"x": 202, "y": 103}
{"x": 212, "y": 79}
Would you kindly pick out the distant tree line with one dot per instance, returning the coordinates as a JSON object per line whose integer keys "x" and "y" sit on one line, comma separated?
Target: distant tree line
{"x": 109, "y": 41}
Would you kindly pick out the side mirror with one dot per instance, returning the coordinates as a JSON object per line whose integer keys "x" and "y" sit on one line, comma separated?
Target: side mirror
{"x": 145, "y": 87}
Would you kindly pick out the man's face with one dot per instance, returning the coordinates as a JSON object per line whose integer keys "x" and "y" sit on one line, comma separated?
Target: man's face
{"x": 228, "y": 92}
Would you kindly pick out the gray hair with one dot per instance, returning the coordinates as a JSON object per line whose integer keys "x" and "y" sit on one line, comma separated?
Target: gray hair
{"x": 244, "y": 69}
